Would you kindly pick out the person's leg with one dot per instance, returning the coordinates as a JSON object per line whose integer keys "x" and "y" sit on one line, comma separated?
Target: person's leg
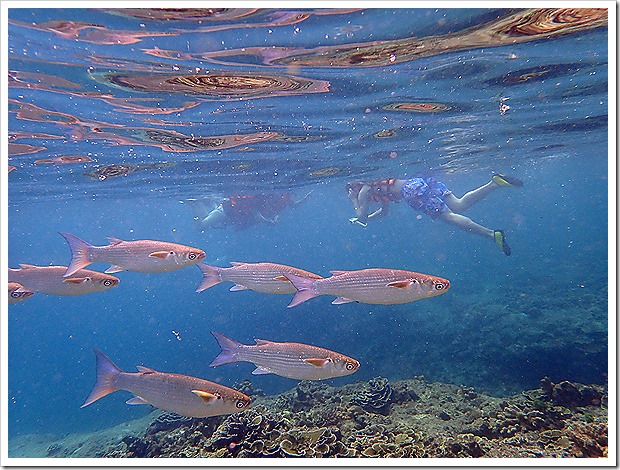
{"x": 472, "y": 197}
{"x": 469, "y": 199}
{"x": 465, "y": 223}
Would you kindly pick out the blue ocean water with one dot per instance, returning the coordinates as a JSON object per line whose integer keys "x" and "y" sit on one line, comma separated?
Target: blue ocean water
{"x": 505, "y": 322}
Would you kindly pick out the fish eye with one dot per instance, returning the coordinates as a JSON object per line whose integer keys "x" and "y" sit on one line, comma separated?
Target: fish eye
{"x": 15, "y": 294}
{"x": 439, "y": 286}
{"x": 171, "y": 253}
{"x": 240, "y": 404}
{"x": 192, "y": 256}
{"x": 349, "y": 366}
{"x": 107, "y": 282}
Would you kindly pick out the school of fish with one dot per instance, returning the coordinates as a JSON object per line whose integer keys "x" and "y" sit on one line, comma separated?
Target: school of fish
{"x": 192, "y": 396}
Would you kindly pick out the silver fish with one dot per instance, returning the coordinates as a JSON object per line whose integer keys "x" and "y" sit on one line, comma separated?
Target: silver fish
{"x": 370, "y": 286}
{"x": 18, "y": 293}
{"x": 291, "y": 360}
{"x": 180, "y": 394}
{"x": 50, "y": 280}
{"x": 146, "y": 256}
{"x": 267, "y": 278}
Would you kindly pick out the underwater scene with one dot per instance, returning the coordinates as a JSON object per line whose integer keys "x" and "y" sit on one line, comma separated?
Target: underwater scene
{"x": 307, "y": 232}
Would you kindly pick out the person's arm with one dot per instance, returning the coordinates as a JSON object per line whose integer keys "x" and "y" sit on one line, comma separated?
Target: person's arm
{"x": 296, "y": 203}
{"x": 381, "y": 212}
{"x": 269, "y": 221}
{"x": 360, "y": 204}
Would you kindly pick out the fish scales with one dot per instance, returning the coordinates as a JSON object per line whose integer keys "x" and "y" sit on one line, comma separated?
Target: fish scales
{"x": 286, "y": 359}
{"x": 50, "y": 280}
{"x": 291, "y": 360}
{"x": 261, "y": 277}
{"x": 147, "y": 256}
{"x": 373, "y": 286}
{"x": 181, "y": 394}
{"x": 135, "y": 255}
{"x": 171, "y": 392}
{"x": 267, "y": 278}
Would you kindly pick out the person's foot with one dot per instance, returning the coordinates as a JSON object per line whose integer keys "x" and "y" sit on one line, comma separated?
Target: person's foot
{"x": 504, "y": 180}
{"x": 500, "y": 241}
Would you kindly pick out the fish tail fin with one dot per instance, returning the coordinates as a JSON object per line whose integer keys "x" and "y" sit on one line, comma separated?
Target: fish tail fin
{"x": 305, "y": 289}
{"x": 228, "y": 353}
{"x": 107, "y": 372}
{"x": 80, "y": 253}
{"x": 210, "y": 276}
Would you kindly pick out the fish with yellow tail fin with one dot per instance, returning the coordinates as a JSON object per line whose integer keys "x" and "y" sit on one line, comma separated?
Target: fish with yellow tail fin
{"x": 146, "y": 256}
{"x": 180, "y": 394}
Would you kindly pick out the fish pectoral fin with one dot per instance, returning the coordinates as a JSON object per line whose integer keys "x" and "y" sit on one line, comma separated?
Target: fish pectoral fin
{"x": 114, "y": 269}
{"x": 207, "y": 397}
{"x": 159, "y": 254}
{"x": 400, "y": 284}
{"x": 317, "y": 361}
{"x": 137, "y": 401}
{"x": 75, "y": 280}
{"x": 237, "y": 287}
{"x": 281, "y": 278}
{"x": 146, "y": 370}
{"x": 261, "y": 371}
{"x": 342, "y": 300}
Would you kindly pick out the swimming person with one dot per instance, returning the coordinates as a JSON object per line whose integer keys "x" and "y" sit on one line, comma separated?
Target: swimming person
{"x": 431, "y": 197}
{"x": 242, "y": 211}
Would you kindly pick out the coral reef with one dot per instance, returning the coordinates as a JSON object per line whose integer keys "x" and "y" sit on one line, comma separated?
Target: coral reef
{"x": 409, "y": 418}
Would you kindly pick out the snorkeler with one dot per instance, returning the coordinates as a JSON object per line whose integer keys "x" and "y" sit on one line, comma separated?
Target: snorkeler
{"x": 431, "y": 197}
{"x": 242, "y": 211}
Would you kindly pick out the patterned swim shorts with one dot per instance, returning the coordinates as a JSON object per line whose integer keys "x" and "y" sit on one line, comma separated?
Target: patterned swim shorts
{"x": 426, "y": 195}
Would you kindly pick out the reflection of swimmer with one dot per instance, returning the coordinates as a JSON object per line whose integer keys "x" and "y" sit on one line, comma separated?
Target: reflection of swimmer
{"x": 242, "y": 211}
{"x": 431, "y": 197}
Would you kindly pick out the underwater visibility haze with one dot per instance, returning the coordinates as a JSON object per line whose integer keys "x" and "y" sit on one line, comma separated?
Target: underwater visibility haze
{"x": 236, "y": 134}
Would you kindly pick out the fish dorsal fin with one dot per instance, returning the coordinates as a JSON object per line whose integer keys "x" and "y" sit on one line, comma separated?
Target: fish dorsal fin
{"x": 342, "y": 300}
{"x": 261, "y": 371}
{"x": 260, "y": 342}
{"x": 114, "y": 269}
{"x": 159, "y": 254}
{"x": 26, "y": 266}
{"x": 146, "y": 370}
{"x": 236, "y": 263}
{"x": 237, "y": 287}
{"x": 400, "y": 284}
{"x": 75, "y": 280}
{"x": 207, "y": 397}
{"x": 317, "y": 361}
{"x": 114, "y": 241}
{"x": 338, "y": 273}
{"x": 137, "y": 401}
